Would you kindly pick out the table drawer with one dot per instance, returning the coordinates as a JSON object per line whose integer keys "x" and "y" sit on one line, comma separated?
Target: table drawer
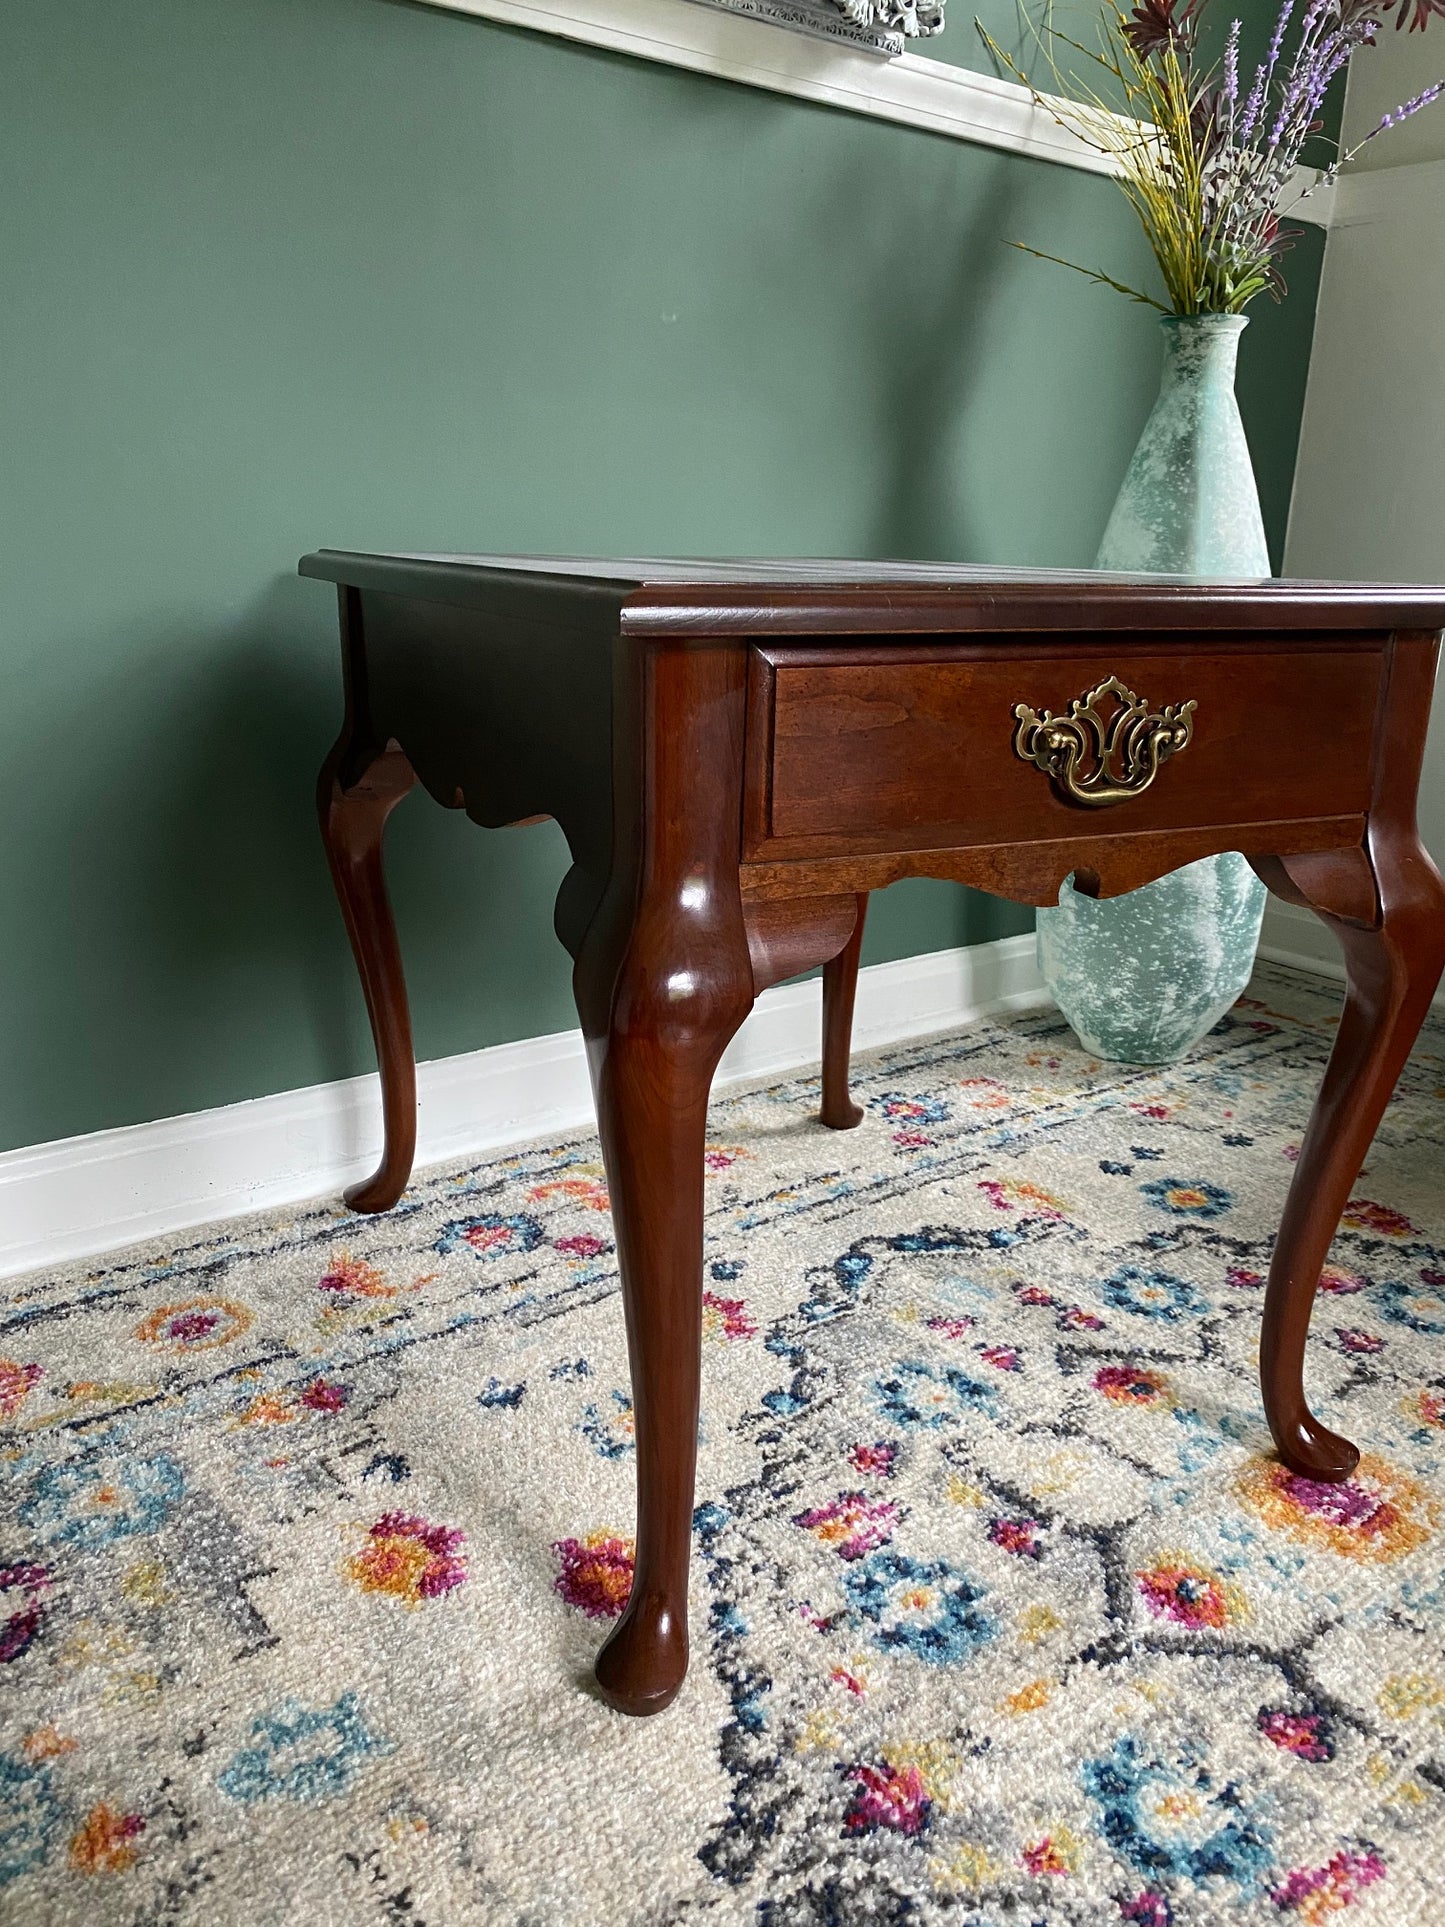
{"x": 925, "y": 746}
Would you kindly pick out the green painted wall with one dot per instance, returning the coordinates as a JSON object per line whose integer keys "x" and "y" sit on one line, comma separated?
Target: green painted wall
{"x": 283, "y": 273}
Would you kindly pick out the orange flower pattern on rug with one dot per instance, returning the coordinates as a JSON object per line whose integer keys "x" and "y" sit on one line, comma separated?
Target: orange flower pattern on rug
{"x": 596, "y": 1574}
{"x": 195, "y": 1325}
{"x": 409, "y": 1558}
{"x": 1190, "y": 1595}
{"x": 107, "y": 1841}
{"x": 1376, "y": 1515}
{"x": 1133, "y": 1385}
{"x": 1002, "y": 1607}
{"x": 347, "y": 1277}
{"x": 589, "y": 1192}
{"x": 320, "y": 1396}
{"x": 45, "y": 1743}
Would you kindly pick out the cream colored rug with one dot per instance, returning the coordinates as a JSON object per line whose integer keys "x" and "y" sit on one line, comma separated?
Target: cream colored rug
{"x": 1003, "y": 1610}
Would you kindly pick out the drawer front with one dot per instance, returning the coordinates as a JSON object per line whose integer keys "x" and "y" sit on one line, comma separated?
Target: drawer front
{"x": 919, "y": 747}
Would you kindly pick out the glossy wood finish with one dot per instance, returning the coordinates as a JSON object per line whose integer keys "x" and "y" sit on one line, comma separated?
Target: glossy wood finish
{"x": 360, "y": 784}
{"x": 1102, "y": 866}
{"x": 352, "y": 825}
{"x": 1394, "y": 953}
{"x": 788, "y": 935}
{"x": 840, "y": 988}
{"x": 724, "y": 838}
{"x": 873, "y": 749}
{"x": 771, "y": 597}
{"x": 663, "y": 979}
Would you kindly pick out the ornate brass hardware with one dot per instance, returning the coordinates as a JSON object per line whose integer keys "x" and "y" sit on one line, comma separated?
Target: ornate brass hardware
{"x": 1098, "y": 760}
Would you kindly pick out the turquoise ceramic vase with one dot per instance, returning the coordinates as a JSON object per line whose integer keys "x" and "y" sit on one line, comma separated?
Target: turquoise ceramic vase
{"x": 1143, "y": 977}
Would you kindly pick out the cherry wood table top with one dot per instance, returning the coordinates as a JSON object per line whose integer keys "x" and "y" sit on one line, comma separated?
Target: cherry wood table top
{"x": 718, "y": 596}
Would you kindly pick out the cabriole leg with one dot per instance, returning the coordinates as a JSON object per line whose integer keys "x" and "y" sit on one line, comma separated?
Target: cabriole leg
{"x": 1392, "y": 972}
{"x": 663, "y": 979}
{"x": 353, "y": 821}
{"x": 651, "y": 1077}
{"x": 840, "y": 987}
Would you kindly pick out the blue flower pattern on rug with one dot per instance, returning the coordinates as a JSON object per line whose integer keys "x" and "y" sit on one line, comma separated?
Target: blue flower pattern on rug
{"x": 298, "y": 1753}
{"x": 1187, "y": 1197}
{"x": 30, "y": 1816}
{"x": 1150, "y": 1293}
{"x": 82, "y": 1502}
{"x": 1004, "y": 1613}
{"x": 922, "y": 1607}
{"x": 916, "y": 1394}
{"x": 1172, "y": 1821}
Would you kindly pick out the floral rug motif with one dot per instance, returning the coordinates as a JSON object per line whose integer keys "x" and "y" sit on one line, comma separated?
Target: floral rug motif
{"x": 1004, "y": 1611}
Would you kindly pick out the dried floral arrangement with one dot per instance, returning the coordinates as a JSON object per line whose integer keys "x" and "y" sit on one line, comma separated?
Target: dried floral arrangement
{"x": 1204, "y": 160}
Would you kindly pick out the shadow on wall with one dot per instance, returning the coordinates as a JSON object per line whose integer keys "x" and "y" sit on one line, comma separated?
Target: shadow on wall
{"x": 909, "y": 400}
{"x": 195, "y": 873}
{"x": 192, "y": 871}
{"x": 927, "y": 360}
{"x": 933, "y": 352}
{"x": 232, "y": 881}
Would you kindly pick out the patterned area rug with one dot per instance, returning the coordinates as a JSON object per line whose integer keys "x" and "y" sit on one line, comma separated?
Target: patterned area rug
{"x": 1004, "y": 1613}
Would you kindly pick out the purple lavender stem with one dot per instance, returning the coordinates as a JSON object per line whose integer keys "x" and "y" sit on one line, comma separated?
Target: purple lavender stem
{"x": 1231, "y": 66}
{"x": 1279, "y": 32}
{"x": 1254, "y": 106}
{"x": 1406, "y": 108}
{"x": 1301, "y": 91}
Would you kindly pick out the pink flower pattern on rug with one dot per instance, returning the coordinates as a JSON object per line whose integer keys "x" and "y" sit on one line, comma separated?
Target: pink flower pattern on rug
{"x": 1003, "y": 1607}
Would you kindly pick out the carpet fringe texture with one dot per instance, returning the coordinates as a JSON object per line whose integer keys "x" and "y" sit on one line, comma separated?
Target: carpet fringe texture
{"x": 1004, "y": 1612}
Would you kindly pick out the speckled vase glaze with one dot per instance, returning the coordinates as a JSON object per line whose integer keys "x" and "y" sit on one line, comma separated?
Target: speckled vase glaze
{"x": 1143, "y": 977}
{"x": 1189, "y": 505}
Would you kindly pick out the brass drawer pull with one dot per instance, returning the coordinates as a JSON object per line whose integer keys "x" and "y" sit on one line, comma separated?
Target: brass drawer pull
{"x": 1100, "y": 760}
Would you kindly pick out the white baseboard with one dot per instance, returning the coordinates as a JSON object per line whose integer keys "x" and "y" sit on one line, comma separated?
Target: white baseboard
{"x": 1297, "y": 938}
{"x": 82, "y": 1195}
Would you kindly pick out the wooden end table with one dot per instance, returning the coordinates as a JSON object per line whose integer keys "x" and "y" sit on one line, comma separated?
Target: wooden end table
{"x": 738, "y": 752}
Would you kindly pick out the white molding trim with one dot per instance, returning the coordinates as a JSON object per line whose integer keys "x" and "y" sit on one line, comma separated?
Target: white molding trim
{"x": 1297, "y": 938}
{"x": 911, "y": 90}
{"x": 84, "y": 1195}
